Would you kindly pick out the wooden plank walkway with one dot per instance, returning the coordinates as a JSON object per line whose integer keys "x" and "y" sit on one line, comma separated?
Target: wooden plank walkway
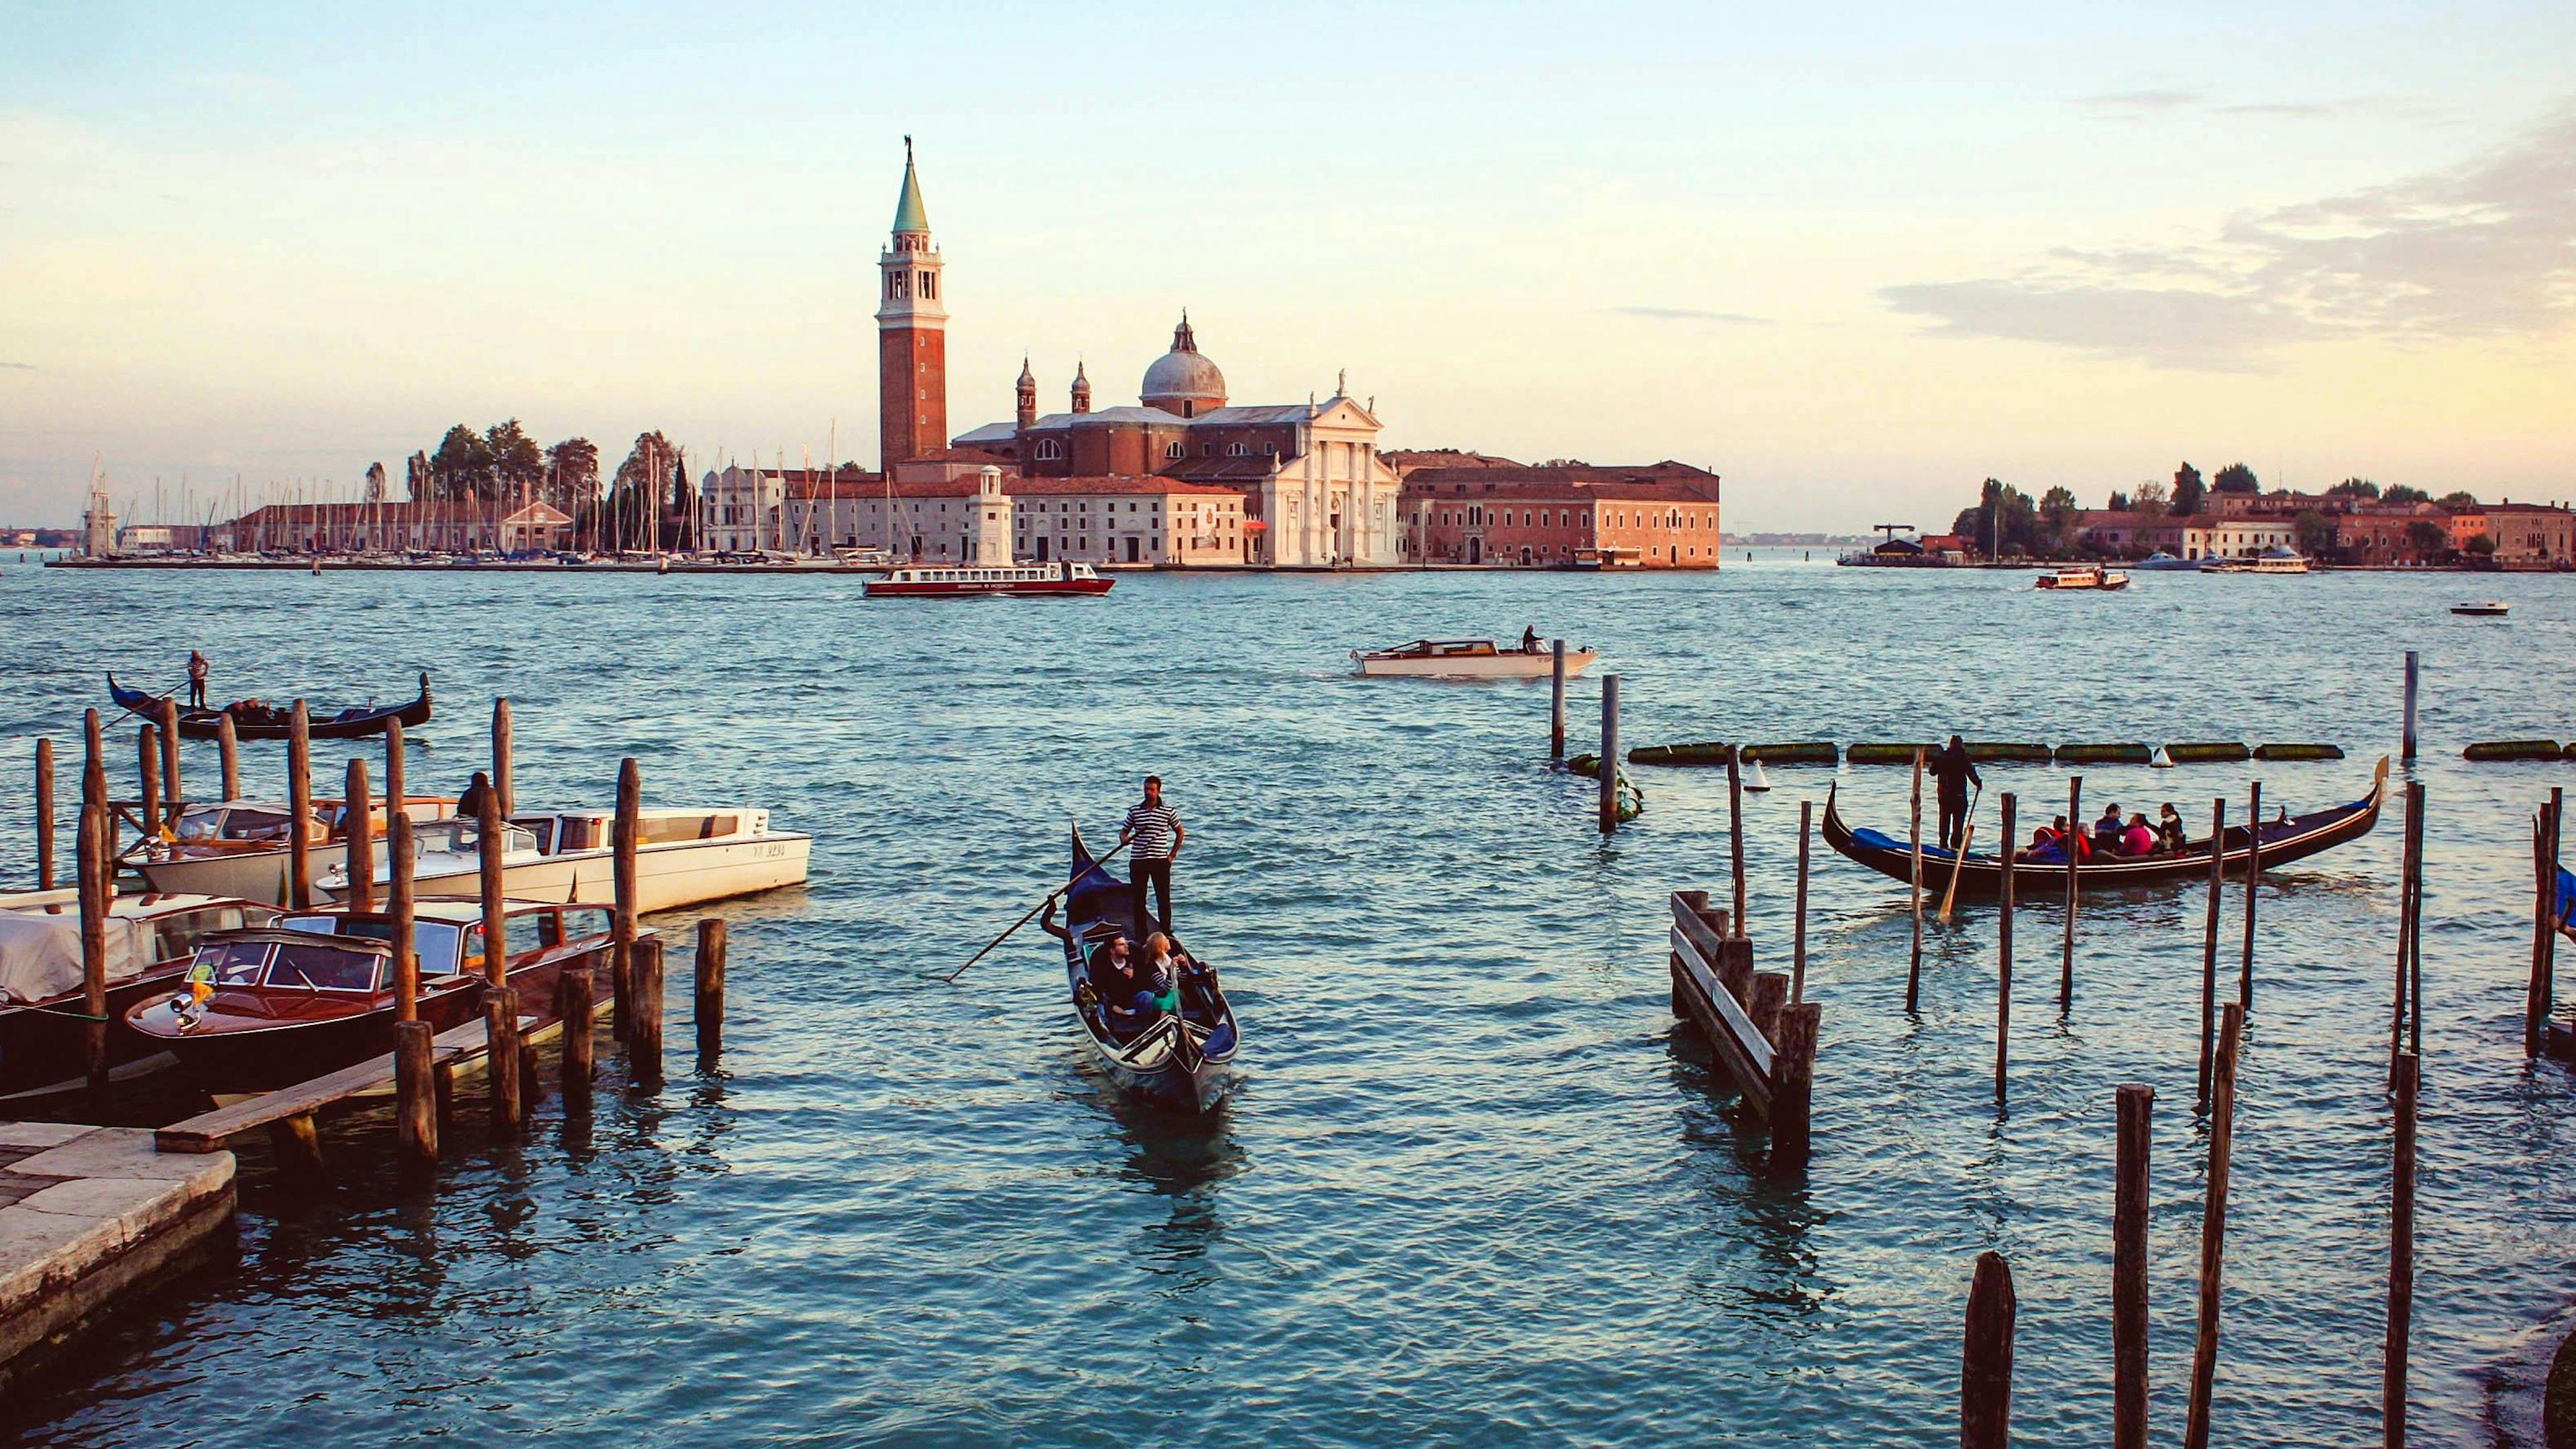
{"x": 209, "y": 1131}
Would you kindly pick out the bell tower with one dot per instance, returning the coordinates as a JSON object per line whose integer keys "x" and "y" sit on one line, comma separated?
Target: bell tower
{"x": 912, "y": 334}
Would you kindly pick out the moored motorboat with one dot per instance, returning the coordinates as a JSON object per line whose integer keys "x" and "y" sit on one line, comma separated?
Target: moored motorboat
{"x": 2482, "y": 608}
{"x": 968, "y": 581}
{"x": 2284, "y": 839}
{"x": 1467, "y": 659}
{"x": 240, "y": 847}
{"x": 151, "y": 938}
{"x": 2163, "y": 562}
{"x": 1184, "y": 1059}
{"x": 683, "y": 857}
{"x": 2091, "y": 576}
{"x": 314, "y": 992}
{"x": 260, "y": 720}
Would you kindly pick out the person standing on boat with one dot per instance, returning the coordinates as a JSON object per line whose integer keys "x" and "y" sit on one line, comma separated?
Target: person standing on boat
{"x": 1156, "y": 831}
{"x": 197, "y": 671}
{"x": 1953, "y": 772}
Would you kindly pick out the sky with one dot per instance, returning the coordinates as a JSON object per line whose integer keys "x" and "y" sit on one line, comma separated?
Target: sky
{"x": 1854, "y": 258}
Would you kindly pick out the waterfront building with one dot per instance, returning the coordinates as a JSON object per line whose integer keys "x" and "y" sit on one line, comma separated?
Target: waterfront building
{"x": 2131, "y": 533}
{"x": 395, "y": 527}
{"x": 1562, "y": 515}
{"x": 2531, "y": 535}
{"x": 2246, "y": 536}
{"x": 933, "y": 510}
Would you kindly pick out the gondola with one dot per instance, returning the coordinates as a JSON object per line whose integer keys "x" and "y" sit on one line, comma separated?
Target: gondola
{"x": 255, "y": 720}
{"x": 1185, "y": 1061}
{"x": 2284, "y": 839}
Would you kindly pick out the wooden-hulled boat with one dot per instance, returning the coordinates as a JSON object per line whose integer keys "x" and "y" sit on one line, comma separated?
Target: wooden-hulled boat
{"x": 258, "y": 720}
{"x": 263, "y": 1009}
{"x": 683, "y": 857}
{"x": 235, "y": 847}
{"x": 1467, "y": 659}
{"x": 1186, "y": 1060}
{"x": 151, "y": 938}
{"x": 2284, "y": 839}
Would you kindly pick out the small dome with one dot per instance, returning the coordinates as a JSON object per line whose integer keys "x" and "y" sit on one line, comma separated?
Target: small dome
{"x": 1181, "y": 380}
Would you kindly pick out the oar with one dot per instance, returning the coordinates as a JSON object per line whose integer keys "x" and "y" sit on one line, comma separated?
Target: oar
{"x": 1033, "y": 912}
{"x": 1967, "y": 835}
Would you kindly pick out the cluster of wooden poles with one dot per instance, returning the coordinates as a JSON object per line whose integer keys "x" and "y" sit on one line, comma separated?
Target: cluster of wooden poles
{"x": 635, "y": 960}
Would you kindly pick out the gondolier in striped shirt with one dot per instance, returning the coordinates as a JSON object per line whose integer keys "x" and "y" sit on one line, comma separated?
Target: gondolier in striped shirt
{"x": 1157, "y": 835}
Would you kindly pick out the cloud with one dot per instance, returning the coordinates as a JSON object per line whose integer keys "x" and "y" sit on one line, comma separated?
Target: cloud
{"x": 1692, "y": 314}
{"x": 2145, "y": 104}
{"x": 18, "y": 366}
{"x": 2483, "y": 250}
{"x": 2129, "y": 105}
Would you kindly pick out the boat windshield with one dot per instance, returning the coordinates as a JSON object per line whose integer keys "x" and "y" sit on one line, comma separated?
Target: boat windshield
{"x": 435, "y": 942}
{"x": 232, "y": 963}
{"x": 323, "y": 968}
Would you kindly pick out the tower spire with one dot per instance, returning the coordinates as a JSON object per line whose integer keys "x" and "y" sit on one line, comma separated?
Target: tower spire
{"x": 912, "y": 324}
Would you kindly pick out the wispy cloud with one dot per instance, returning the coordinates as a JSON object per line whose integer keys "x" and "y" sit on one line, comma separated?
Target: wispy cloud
{"x": 2130, "y": 104}
{"x": 18, "y": 366}
{"x": 2486, "y": 249}
{"x": 1692, "y": 314}
{"x": 2141, "y": 105}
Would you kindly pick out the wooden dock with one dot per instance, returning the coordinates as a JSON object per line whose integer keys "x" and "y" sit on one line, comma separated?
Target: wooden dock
{"x": 1765, "y": 1041}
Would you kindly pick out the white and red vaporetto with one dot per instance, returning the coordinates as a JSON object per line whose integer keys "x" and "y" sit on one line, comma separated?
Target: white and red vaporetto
{"x": 1039, "y": 580}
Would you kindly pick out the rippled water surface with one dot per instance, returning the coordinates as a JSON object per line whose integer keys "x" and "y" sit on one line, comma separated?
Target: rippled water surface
{"x": 1474, "y": 1187}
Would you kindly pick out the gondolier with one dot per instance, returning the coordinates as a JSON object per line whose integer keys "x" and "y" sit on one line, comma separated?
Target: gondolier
{"x": 197, "y": 671}
{"x": 1954, "y": 771}
{"x": 1155, "y": 830}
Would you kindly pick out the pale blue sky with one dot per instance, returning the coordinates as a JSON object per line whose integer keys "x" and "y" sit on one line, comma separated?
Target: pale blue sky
{"x": 1854, "y": 258}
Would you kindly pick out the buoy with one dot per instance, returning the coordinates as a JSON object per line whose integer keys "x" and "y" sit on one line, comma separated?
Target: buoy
{"x": 2162, "y": 761}
{"x": 1755, "y": 781}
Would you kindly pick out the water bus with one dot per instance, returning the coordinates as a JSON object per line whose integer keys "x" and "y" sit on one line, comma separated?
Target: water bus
{"x": 966, "y": 581}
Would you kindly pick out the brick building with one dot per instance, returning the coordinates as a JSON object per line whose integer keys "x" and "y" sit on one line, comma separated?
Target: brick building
{"x": 1562, "y": 515}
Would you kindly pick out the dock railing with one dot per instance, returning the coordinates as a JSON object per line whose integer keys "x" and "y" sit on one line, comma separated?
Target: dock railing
{"x": 1765, "y": 1042}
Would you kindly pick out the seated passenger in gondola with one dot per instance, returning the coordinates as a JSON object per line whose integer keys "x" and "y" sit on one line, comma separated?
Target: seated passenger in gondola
{"x": 1157, "y": 982}
{"x": 2169, "y": 834}
{"x": 2047, "y": 847}
{"x": 2139, "y": 839}
{"x": 2106, "y": 831}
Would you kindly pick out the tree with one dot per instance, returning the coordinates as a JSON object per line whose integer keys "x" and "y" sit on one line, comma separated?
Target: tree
{"x": 2461, "y": 499}
{"x": 2118, "y": 502}
{"x": 516, "y": 463}
{"x": 2481, "y": 544}
{"x": 2003, "y": 522}
{"x": 2057, "y": 519}
{"x": 2401, "y": 493}
{"x": 2235, "y": 478}
{"x": 2187, "y": 491}
{"x": 2151, "y": 497}
{"x": 2315, "y": 533}
{"x": 572, "y": 470}
{"x": 2428, "y": 538}
{"x": 459, "y": 469}
{"x": 646, "y": 484}
{"x": 2354, "y": 488}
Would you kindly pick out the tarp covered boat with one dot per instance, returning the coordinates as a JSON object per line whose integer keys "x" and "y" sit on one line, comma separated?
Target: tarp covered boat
{"x": 1184, "y": 1060}
{"x": 257, "y": 720}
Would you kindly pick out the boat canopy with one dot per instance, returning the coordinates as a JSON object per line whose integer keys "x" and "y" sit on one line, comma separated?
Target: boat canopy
{"x": 40, "y": 954}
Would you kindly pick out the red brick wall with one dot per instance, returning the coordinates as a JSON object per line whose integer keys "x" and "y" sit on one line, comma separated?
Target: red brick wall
{"x": 912, "y": 393}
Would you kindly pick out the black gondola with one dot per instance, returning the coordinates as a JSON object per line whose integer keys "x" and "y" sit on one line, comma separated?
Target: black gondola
{"x": 2285, "y": 839}
{"x": 253, "y": 720}
{"x": 1185, "y": 1060}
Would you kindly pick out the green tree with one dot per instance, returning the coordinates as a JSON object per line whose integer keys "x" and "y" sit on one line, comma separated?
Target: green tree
{"x": 516, "y": 462}
{"x": 2057, "y": 520}
{"x": 2401, "y": 493}
{"x": 2003, "y": 523}
{"x": 572, "y": 473}
{"x": 2118, "y": 502}
{"x": 2462, "y": 499}
{"x": 2235, "y": 478}
{"x": 462, "y": 466}
{"x": 2427, "y": 537}
{"x": 2151, "y": 497}
{"x": 2187, "y": 491}
{"x": 2354, "y": 488}
{"x": 645, "y": 486}
{"x": 2481, "y": 544}
{"x": 2315, "y": 533}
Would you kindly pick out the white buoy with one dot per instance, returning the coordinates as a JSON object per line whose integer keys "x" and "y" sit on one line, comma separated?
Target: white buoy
{"x": 2162, "y": 761}
{"x": 1755, "y": 781}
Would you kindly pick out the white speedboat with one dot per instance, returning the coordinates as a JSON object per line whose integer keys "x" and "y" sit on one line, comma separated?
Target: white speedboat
{"x": 2162, "y": 562}
{"x": 238, "y": 847}
{"x": 2482, "y": 608}
{"x": 682, "y": 858}
{"x": 1467, "y": 659}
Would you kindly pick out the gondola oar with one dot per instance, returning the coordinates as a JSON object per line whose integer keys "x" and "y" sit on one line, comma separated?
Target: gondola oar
{"x": 1967, "y": 835}
{"x": 1033, "y": 912}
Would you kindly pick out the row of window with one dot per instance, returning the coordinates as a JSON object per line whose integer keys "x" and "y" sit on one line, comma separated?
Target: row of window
{"x": 895, "y": 285}
{"x": 1050, "y": 450}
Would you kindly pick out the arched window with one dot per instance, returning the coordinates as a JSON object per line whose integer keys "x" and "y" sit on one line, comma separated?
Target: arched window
{"x": 1175, "y": 449}
{"x": 1049, "y": 450}
{"x": 1238, "y": 450}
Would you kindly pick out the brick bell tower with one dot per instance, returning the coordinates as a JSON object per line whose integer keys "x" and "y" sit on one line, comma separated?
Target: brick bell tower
{"x": 912, "y": 334}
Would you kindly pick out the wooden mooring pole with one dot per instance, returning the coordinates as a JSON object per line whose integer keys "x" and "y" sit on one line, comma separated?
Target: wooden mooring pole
{"x": 501, "y": 1056}
{"x": 1985, "y": 1372}
{"x": 644, "y": 1038}
{"x": 1914, "y": 964}
{"x": 501, "y": 753}
{"x": 299, "y": 809}
{"x": 2209, "y": 949}
{"x": 1556, "y": 707}
{"x": 1793, "y": 1085}
{"x": 415, "y": 1092}
{"x": 2401, "y": 1258}
{"x": 2074, "y": 823}
{"x": 147, "y": 745}
{"x": 358, "y": 828}
{"x": 2213, "y": 1225}
{"x": 228, "y": 754}
{"x": 1609, "y": 753}
{"x": 1735, "y": 827}
{"x": 2415, "y": 927}
{"x": 2135, "y": 1104}
{"x": 170, "y": 796}
{"x": 94, "y": 776}
{"x": 397, "y": 787}
{"x": 1798, "y": 952}
{"x": 45, "y": 814}
{"x": 2406, "y": 902}
{"x": 2406, "y": 749}
{"x": 501, "y": 1014}
{"x": 95, "y": 865}
{"x": 621, "y": 960}
{"x": 2003, "y": 954}
{"x": 2253, "y": 886}
{"x": 576, "y": 1002}
{"x": 709, "y": 1005}
{"x": 398, "y": 904}
{"x": 2541, "y": 997}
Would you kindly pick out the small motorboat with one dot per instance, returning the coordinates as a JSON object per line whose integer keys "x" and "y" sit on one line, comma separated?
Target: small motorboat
{"x": 315, "y": 992}
{"x": 44, "y": 1038}
{"x": 683, "y": 857}
{"x": 2482, "y": 608}
{"x": 2163, "y": 562}
{"x": 970, "y": 581}
{"x": 1467, "y": 659}
{"x": 2090, "y": 577}
{"x": 240, "y": 847}
{"x": 255, "y": 719}
{"x": 1183, "y": 1059}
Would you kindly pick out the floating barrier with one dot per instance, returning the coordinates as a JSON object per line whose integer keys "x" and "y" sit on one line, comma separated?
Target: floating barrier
{"x": 2010, "y": 753}
{"x": 1707, "y": 752}
{"x": 1795, "y": 752}
{"x": 2207, "y": 752}
{"x": 2298, "y": 752}
{"x": 1886, "y": 754}
{"x": 2105, "y": 755}
{"x": 1632, "y": 801}
{"x": 2491, "y": 750}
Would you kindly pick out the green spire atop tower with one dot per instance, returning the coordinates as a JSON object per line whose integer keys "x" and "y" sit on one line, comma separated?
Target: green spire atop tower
{"x": 909, "y": 214}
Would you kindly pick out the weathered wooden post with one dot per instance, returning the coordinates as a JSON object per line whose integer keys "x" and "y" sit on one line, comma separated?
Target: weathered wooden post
{"x": 228, "y": 751}
{"x": 2401, "y": 1259}
{"x": 94, "y": 865}
{"x": 147, "y": 798}
{"x": 644, "y": 1040}
{"x": 415, "y": 1091}
{"x": 576, "y": 1003}
{"x": 2074, "y": 823}
{"x": 1770, "y": 996}
{"x": 2213, "y": 1225}
{"x": 1609, "y": 753}
{"x": 1914, "y": 966}
{"x": 1793, "y": 1079}
{"x": 45, "y": 814}
{"x": 501, "y": 752}
{"x": 398, "y": 904}
{"x": 2129, "y": 1269}
{"x": 501, "y": 1054}
{"x": 2406, "y": 904}
{"x": 299, "y": 807}
{"x": 709, "y": 1013}
{"x": 396, "y": 788}
{"x": 621, "y": 958}
{"x": 358, "y": 828}
{"x": 501, "y": 1017}
{"x": 298, "y": 1145}
{"x": 170, "y": 796}
{"x": 1735, "y": 826}
{"x": 2415, "y": 926}
{"x": 2406, "y": 749}
{"x": 1985, "y": 1375}
{"x": 2253, "y": 884}
{"x": 1556, "y": 708}
{"x": 2209, "y": 948}
{"x": 2003, "y": 954}
{"x": 1798, "y": 952}
{"x": 2542, "y": 995}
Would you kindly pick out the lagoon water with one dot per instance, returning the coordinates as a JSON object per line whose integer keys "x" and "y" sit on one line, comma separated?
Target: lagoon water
{"x": 1475, "y": 1187}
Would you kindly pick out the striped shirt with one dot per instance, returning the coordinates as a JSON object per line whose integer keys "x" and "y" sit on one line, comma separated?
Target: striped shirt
{"x": 1154, "y": 828}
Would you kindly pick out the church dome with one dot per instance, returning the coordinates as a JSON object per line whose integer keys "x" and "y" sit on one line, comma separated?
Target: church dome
{"x": 1182, "y": 380}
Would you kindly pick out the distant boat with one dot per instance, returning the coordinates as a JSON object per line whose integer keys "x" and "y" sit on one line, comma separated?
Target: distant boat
{"x": 2485, "y": 608}
{"x": 1467, "y": 659}
{"x": 2273, "y": 560}
{"x": 2091, "y": 576}
{"x": 255, "y": 720}
{"x": 1025, "y": 580}
{"x": 2161, "y": 561}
